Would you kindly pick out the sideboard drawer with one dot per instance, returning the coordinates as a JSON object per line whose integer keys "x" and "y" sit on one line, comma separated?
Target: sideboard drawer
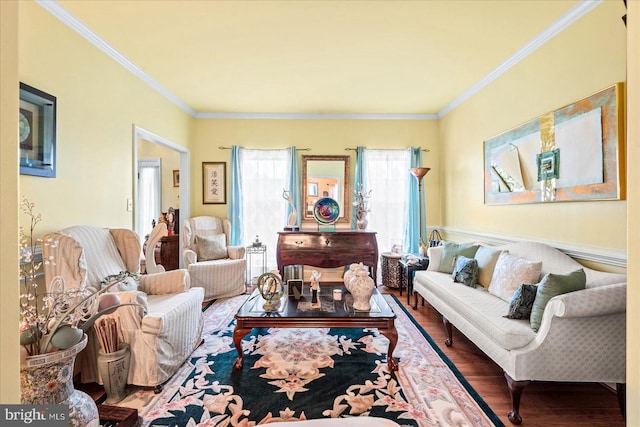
{"x": 327, "y": 249}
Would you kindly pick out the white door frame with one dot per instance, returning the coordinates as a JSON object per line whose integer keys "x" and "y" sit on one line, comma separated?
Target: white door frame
{"x": 185, "y": 174}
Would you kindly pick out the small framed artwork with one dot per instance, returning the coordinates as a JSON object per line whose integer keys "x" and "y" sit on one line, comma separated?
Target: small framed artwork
{"x": 37, "y": 138}
{"x": 548, "y": 163}
{"x": 176, "y": 178}
{"x": 312, "y": 189}
{"x": 214, "y": 183}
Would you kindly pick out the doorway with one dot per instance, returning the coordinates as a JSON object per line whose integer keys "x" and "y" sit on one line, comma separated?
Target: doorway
{"x": 180, "y": 199}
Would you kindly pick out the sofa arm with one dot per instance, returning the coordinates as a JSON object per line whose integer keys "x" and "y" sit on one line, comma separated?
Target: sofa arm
{"x": 236, "y": 252}
{"x": 599, "y": 301}
{"x": 189, "y": 257}
{"x": 168, "y": 282}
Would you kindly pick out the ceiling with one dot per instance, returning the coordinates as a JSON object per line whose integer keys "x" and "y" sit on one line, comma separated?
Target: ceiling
{"x": 320, "y": 57}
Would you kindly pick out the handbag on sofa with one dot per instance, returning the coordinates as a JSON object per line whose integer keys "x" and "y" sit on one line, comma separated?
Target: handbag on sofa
{"x": 435, "y": 239}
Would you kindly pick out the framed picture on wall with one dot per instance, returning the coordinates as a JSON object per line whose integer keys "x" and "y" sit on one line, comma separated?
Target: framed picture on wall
{"x": 214, "y": 183}
{"x": 176, "y": 178}
{"x": 37, "y": 137}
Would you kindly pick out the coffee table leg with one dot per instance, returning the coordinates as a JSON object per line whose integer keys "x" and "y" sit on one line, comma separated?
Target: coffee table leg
{"x": 392, "y": 335}
{"x": 238, "y": 334}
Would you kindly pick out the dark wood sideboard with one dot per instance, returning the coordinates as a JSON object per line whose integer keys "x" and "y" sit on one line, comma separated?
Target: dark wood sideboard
{"x": 327, "y": 249}
{"x": 167, "y": 251}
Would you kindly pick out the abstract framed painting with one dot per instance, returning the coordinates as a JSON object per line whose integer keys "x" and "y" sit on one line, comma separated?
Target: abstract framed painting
{"x": 575, "y": 153}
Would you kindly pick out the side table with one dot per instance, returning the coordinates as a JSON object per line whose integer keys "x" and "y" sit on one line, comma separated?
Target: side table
{"x": 390, "y": 267}
{"x": 252, "y": 251}
{"x": 408, "y": 267}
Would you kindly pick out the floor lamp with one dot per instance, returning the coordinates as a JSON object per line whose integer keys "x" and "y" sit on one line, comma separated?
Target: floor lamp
{"x": 419, "y": 173}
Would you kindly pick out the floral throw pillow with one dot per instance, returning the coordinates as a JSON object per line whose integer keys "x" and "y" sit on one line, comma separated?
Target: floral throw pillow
{"x": 510, "y": 272}
{"x": 522, "y": 302}
{"x": 466, "y": 271}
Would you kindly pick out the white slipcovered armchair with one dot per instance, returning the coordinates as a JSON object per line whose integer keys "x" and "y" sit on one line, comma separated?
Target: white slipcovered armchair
{"x": 212, "y": 262}
{"x": 165, "y": 327}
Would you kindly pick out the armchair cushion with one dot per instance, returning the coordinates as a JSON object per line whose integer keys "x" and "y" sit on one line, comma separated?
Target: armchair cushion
{"x": 211, "y": 247}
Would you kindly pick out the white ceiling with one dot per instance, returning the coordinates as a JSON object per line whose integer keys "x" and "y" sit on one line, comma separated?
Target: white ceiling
{"x": 318, "y": 57}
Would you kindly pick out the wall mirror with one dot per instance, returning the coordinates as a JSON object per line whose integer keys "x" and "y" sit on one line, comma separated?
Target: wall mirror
{"x": 326, "y": 176}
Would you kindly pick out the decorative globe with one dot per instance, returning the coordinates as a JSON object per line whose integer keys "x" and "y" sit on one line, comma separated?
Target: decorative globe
{"x": 271, "y": 289}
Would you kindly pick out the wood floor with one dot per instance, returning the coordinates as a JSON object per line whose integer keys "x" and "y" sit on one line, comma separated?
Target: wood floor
{"x": 545, "y": 404}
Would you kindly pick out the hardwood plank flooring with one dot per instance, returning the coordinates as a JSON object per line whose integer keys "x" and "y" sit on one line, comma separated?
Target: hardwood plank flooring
{"x": 547, "y": 404}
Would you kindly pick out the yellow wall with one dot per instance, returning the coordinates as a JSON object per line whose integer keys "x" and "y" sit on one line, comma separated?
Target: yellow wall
{"x": 585, "y": 58}
{"x": 633, "y": 284}
{"x": 98, "y": 103}
{"x": 9, "y": 314}
{"x": 169, "y": 161}
{"x": 322, "y": 136}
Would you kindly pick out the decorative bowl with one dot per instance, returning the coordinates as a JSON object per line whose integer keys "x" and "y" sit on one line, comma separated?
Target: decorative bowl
{"x": 326, "y": 210}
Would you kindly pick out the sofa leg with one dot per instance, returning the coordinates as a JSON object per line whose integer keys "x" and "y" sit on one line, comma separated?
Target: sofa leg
{"x": 621, "y": 389}
{"x": 449, "y": 329}
{"x": 415, "y": 300}
{"x": 515, "y": 389}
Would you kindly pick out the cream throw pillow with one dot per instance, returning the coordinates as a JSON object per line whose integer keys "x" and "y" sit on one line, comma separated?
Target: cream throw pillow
{"x": 511, "y": 272}
{"x": 487, "y": 259}
{"x": 211, "y": 247}
{"x": 435, "y": 254}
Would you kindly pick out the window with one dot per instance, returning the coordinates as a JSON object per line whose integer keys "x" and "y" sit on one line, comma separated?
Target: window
{"x": 386, "y": 175}
{"x": 263, "y": 177}
{"x": 148, "y": 207}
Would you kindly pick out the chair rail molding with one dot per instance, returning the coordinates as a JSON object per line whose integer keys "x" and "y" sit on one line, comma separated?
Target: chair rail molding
{"x": 607, "y": 256}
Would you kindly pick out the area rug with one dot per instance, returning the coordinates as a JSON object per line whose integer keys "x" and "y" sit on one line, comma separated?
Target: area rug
{"x": 298, "y": 374}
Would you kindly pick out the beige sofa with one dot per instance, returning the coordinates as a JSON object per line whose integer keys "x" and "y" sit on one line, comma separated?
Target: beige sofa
{"x": 581, "y": 337}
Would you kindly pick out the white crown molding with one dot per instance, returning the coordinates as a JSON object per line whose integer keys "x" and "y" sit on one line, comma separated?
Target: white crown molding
{"x": 75, "y": 24}
{"x": 614, "y": 257}
{"x": 315, "y": 116}
{"x": 575, "y": 13}
{"x": 560, "y": 24}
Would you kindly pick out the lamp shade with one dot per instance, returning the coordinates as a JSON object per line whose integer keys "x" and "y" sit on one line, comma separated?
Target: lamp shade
{"x": 419, "y": 172}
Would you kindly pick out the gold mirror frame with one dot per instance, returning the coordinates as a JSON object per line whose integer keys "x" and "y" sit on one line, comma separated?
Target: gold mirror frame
{"x": 335, "y": 181}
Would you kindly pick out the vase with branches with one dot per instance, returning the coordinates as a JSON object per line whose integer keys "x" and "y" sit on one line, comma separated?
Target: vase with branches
{"x": 361, "y": 203}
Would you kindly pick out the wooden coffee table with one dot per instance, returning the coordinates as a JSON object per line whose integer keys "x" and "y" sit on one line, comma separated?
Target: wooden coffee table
{"x": 294, "y": 313}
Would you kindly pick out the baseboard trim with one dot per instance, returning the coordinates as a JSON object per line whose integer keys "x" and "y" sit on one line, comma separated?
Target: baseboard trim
{"x": 607, "y": 256}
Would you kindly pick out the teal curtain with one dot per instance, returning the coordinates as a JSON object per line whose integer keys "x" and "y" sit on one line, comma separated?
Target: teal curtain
{"x": 415, "y": 205}
{"x": 294, "y": 184}
{"x": 235, "y": 197}
{"x": 358, "y": 179}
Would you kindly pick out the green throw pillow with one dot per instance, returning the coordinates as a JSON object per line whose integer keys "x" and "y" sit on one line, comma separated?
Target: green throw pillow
{"x": 552, "y": 285}
{"x": 450, "y": 251}
{"x": 522, "y": 302}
